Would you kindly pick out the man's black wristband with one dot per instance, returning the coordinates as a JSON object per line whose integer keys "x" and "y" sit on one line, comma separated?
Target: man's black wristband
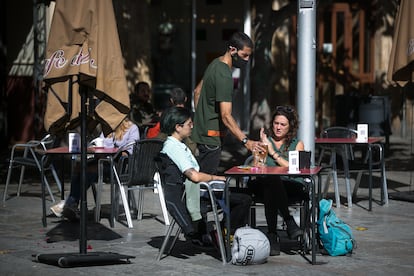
{"x": 244, "y": 141}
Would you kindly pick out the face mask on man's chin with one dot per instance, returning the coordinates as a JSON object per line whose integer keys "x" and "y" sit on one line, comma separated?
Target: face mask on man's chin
{"x": 238, "y": 62}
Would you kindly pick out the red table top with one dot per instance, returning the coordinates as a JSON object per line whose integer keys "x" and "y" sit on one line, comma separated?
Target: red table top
{"x": 91, "y": 150}
{"x": 273, "y": 170}
{"x": 371, "y": 140}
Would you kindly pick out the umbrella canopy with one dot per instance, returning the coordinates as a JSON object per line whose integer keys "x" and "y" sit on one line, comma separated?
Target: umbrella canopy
{"x": 83, "y": 49}
{"x": 401, "y": 66}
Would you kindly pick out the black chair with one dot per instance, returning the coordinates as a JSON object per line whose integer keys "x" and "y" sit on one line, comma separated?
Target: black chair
{"x": 173, "y": 189}
{"x": 119, "y": 167}
{"x": 138, "y": 174}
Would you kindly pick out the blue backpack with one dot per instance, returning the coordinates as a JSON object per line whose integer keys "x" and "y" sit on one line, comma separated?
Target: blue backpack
{"x": 336, "y": 236}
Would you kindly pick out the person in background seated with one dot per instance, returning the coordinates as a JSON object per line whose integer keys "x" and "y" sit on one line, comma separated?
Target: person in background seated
{"x": 176, "y": 122}
{"x": 124, "y": 134}
{"x": 142, "y": 110}
{"x": 280, "y": 138}
{"x": 177, "y": 98}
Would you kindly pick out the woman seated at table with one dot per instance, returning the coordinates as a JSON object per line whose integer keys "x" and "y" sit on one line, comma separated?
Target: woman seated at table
{"x": 125, "y": 133}
{"x": 280, "y": 138}
{"x": 176, "y": 122}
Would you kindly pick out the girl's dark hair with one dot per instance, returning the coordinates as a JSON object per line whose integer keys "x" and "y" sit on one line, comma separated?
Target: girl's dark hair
{"x": 173, "y": 116}
{"x": 290, "y": 113}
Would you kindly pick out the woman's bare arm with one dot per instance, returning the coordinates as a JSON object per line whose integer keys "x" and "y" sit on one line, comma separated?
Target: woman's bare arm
{"x": 196, "y": 176}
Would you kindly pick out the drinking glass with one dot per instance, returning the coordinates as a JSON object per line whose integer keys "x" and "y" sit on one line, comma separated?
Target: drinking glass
{"x": 260, "y": 156}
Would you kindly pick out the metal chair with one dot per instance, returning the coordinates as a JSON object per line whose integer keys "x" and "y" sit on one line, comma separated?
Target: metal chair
{"x": 29, "y": 155}
{"x": 168, "y": 170}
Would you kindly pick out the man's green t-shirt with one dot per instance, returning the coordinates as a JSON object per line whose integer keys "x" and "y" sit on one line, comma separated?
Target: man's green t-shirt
{"x": 217, "y": 87}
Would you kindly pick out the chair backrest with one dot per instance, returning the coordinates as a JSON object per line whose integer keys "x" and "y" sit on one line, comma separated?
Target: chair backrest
{"x": 375, "y": 111}
{"x": 34, "y": 149}
{"x": 141, "y": 164}
{"x": 168, "y": 170}
{"x": 341, "y": 132}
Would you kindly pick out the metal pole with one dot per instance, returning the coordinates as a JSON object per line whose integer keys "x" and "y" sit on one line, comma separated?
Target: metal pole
{"x": 245, "y": 112}
{"x": 39, "y": 49}
{"x": 83, "y": 203}
{"x": 193, "y": 47}
{"x": 306, "y": 73}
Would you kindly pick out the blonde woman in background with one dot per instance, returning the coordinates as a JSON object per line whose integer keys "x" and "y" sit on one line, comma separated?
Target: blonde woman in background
{"x": 125, "y": 133}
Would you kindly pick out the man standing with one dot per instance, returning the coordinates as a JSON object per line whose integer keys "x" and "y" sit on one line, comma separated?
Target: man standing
{"x": 213, "y": 102}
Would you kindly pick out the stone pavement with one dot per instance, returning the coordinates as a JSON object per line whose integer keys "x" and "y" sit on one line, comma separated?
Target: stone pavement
{"x": 385, "y": 236}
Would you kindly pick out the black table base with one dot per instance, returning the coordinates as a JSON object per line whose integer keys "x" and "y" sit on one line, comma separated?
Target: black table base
{"x": 79, "y": 260}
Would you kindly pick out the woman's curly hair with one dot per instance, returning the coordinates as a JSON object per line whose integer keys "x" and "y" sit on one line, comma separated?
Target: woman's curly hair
{"x": 290, "y": 113}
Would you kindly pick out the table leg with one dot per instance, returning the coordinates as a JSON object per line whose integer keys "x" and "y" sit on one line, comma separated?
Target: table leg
{"x": 227, "y": 240}
{"x": 112, "y": 213}
{"x": 42, "y": 176}
{"x": 384, "y": 193}
{"x": 313, "y": 223}
{"x": 370, "y": 177}
{"x": 62, "y": 177}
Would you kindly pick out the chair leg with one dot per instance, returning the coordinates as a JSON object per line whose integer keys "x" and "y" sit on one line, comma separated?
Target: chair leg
{"x": 167, "y": 238}
{"x": 140, "y": 204}
{"x": 347, "y": 180}
{"x": 56, "y": 177}
{"x": 19, "y": 187}
{"x": 252, "y": 216}
{"x": 384, "y": 191}
{"x": 98, "y": 202}
{"x": 49, "y": 190}
{"x": 357, "y": 183}
{"x": 7, "y": 180}
{"x": 335, "y": 180}
{"x": 124, "y": 199}
{"x": 99, "y": 192}
{"x": 218, "y": 226}
{"x": 327, "y": 183}
{"x": 162, "y": 199}
{"x": 306, "y": 224}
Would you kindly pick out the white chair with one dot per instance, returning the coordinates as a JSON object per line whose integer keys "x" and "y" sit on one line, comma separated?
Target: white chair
{"x": 29, "y": 155}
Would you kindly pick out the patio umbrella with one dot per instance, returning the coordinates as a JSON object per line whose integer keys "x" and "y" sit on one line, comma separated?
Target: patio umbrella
{"x": 401, "y": 66}
{"x": 84, "y": 61}
{"x": 84, "y": 49}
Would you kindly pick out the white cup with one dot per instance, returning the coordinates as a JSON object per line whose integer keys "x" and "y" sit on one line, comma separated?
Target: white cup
{"x": 99, "y": 142}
